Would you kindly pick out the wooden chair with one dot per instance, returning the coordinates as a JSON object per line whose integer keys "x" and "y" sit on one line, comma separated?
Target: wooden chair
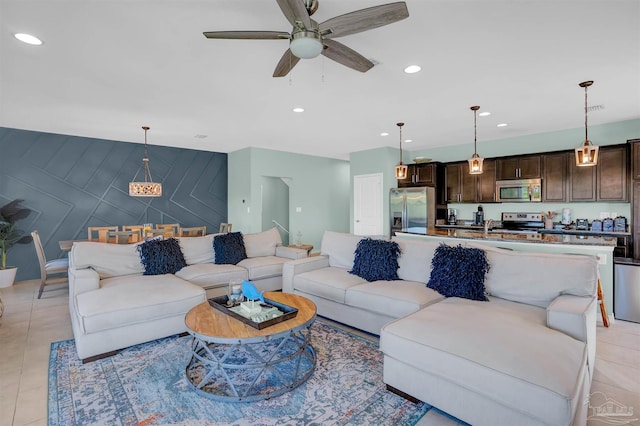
{"x": 174, "y": 227}
{"x": 100, "y": 233}
{"x": 52, "y": 272}
{"x": 225, "y": 228}
{"x": 198, "y": 231}
{"x": 603, "y": 308}
{"x": 135, "y": 228}
{"x": 126, "y": 237}
{"x": 161, "y": 232}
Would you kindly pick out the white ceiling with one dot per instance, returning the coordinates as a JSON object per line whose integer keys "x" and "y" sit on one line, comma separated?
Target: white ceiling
{"x": 108, "y": 67}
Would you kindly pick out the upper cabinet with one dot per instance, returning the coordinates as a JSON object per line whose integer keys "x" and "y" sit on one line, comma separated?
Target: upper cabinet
{"x": 612, "y": 174}
{"x": 524, "y": 167}
{"x": 424, "y": 174}
{"x": 582, "y": 182}
{"x": 635, "y": 159}
{"x": 554, "y": 177}
{"x": 462, "y": 187}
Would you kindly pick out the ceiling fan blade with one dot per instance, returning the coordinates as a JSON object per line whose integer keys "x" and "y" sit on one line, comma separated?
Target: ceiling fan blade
{"x": 248, "y": 35}
{"x": 364, "y": 19}
{"x": 295, "y": 11}
{"x": 286, "y": 63}
{"x": 346, "y": 56}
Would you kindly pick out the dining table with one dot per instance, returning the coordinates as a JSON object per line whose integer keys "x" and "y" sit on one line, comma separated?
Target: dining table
{"x": 65, "y": 245}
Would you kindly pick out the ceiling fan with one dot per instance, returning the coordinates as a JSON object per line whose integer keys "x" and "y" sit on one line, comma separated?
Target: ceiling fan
{"x": 308, "y": 39}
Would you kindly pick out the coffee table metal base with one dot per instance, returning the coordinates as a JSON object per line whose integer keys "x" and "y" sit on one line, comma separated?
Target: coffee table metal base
{"x": 251, "y": 369}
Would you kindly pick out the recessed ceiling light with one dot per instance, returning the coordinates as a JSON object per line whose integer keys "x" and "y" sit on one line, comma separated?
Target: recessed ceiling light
{"x": 298, "y": 109}
{"x": 412, "y": 69}
{"x": 28, "y": 38}
{"x": 200, "y": 136}
{"x": 408, "y": 140}
{"x": 384, "y": 134}
{"x": 502, "y": 125}
{"x": 484, "y": 114}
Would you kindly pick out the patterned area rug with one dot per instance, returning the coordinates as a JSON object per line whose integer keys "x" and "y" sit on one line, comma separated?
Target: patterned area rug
{"x": 146, "y": 385}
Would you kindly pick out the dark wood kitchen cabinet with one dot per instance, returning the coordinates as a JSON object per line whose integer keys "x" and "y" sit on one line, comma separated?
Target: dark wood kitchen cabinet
{"x": 420, "y": 175}
{"x": 582, "y": 182}
{"x": 554, "y": 177}
{"x": 462, "y": 187}
{"x": 525, "y": 167}
{"x": 612, "y": 173}
{"x": 635, "y": 159}
{"x": 635, "y": 222}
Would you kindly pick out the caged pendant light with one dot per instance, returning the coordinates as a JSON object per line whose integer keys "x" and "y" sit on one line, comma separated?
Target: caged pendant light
{"x": 586, "y": 154}
{"x": 148, "y": 188}
{"x": 475, "y": 162}
{"x": 401, "y": 169}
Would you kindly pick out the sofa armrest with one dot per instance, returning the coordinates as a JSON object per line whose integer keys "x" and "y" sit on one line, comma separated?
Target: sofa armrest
{"x": 294, "y": 267}
{"x": 290, "y": 252}
{"x": 576, "y": 317}
{"x": 82, "y": 280}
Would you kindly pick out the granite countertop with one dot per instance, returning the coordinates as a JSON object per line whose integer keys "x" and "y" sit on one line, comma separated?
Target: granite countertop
{"x": 542, "y": 238}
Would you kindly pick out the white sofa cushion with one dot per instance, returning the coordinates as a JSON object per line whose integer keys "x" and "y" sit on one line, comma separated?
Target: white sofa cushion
{"x": 329, "y": 283}
{"x": 262, "y": 243}
{"x": 391, "y": 298}
{"x": 108, "y": 260}
{"x": 197, "y": 249}
{"x": 340, "y": 248}
{"x": 485, "y": 346}
{"x": 126, "y": 300}
{"x": 263, "y": 267}
{"x": 538, "y": 278}
{"x": 210, "y": 274}
{"x": 415, "y": 260}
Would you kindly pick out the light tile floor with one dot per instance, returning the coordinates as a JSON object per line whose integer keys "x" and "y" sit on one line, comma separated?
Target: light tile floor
{"x": 29, "y": 325}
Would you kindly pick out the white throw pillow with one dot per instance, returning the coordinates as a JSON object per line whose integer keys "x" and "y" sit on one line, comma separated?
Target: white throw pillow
{"x": 197, "y": 249}
{"x": 262, "y": 243}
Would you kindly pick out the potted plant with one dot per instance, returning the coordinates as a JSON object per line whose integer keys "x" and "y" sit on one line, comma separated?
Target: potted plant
{"x": 9, "y": 236}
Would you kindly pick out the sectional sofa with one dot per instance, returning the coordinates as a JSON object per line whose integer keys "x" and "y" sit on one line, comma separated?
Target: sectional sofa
{"x": 523, "y": 357}
{"x": 113, "y": 305}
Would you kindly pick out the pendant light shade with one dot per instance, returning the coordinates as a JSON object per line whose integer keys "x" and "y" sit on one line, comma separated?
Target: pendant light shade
{"x": 148, "y": 188}
{"x": 586, "y": 154}
{"x": 475, "y": 162}
{"x": 401, "y": 169}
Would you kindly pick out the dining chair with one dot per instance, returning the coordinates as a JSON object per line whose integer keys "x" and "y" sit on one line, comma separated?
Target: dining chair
{"x": 175, "y": 227}
{"x": 135, "y": 228}
{"x": 161, "y": 232}
{"x": 225, "y": 228}
{"x": 100, "y": 233}
{"x": 52, "y": 272}
{"x": 197, "y": 231}
{"x": 126, "y": 237}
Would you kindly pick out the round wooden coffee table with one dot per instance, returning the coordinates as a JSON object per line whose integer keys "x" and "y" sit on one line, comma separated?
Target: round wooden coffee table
{"x": 234, "y": 362}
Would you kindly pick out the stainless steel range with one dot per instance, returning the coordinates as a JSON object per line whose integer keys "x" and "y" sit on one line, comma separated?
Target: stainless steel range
{"x": 522, "y": 223}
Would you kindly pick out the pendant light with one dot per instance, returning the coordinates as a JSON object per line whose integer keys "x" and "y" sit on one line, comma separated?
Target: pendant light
{"x": 475, "y": 162}
{"x": 586, "y": 154}
{"x": 401, "y": 169}
{"x": 148, "y": 188}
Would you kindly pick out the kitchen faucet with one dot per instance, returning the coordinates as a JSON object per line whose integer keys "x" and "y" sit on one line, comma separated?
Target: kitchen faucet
{"x": 487, "y": 224}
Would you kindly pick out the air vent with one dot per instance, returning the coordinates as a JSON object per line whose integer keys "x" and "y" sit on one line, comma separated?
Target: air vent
{"x": 595, "y": 108}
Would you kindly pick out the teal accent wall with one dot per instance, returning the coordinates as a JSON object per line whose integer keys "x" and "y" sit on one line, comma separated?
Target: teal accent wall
{"x": 318, "y": 186}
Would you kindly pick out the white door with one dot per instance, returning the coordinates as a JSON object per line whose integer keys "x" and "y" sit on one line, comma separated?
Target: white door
{"x": 367, "y": 204}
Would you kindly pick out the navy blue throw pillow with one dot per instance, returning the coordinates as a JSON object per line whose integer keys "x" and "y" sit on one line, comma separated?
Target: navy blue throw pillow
{"x": 161, "y": 256}
{"x": 229, "y": 248}
{"x": 459, "y": 272}
{"x": 376, "y": 260}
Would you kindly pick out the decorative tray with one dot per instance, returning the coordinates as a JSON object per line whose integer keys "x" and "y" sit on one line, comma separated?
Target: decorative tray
{"x": 284, "y": 313}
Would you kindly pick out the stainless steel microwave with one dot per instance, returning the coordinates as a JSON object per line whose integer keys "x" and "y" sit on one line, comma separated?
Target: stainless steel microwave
{"x": 519, "y": 190}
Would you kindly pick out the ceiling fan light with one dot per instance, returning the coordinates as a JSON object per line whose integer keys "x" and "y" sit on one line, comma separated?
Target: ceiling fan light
{"x": 305, "y": 44}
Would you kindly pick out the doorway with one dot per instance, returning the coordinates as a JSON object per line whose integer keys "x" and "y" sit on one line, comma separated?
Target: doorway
{"x": 275, "y": 205}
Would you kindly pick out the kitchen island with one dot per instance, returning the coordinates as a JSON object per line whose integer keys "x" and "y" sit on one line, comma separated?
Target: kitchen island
{"x": 535, "y": 242}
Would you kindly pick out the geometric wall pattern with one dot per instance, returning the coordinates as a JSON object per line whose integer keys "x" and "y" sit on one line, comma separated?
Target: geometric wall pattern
{"x": 71, "y": 182}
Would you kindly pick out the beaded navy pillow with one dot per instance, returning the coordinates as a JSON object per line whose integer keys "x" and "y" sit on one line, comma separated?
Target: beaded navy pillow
{"x": 229, "y": 248}
{"x": 459, "y": 272}
{"x": 376, "y": 260}
{"x": 160, "y": 256}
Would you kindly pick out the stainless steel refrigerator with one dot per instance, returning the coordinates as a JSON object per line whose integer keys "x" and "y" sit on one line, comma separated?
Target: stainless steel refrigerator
{"x": 412, "y": 209}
